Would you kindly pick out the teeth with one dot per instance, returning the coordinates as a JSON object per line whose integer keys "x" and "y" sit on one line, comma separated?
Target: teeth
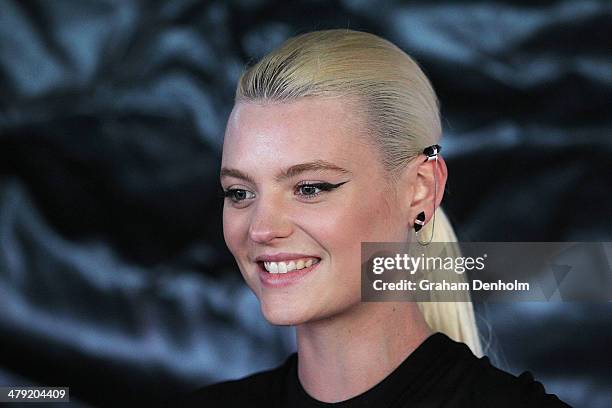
{"x": 284, "y": 267}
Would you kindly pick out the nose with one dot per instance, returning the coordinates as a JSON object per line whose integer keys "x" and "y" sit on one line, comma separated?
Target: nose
{"x": 269, "y": 222}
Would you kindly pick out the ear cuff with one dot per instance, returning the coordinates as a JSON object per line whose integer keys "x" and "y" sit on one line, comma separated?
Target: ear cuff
{"x": 432, "y": 152}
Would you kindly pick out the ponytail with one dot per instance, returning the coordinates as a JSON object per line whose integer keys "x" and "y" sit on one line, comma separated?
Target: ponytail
{"x": 454, "y": 318}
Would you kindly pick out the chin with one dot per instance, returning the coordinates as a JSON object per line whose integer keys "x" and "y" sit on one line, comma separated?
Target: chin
{"x": 283, "y": 315}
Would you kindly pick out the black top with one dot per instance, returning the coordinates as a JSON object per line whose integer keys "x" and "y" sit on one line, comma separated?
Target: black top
{"x": 439, "y": 373}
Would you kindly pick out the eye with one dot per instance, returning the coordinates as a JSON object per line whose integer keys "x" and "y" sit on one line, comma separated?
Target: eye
{"x": 309, "y": 190}
{"x": 237, "y": 194}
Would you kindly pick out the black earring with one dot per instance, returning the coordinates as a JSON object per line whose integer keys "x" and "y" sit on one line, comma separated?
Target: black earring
{"x": 419, "y": 222}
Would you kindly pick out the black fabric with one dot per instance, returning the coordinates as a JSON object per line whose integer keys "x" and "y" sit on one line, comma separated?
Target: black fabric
{"x": 440, "y": 373}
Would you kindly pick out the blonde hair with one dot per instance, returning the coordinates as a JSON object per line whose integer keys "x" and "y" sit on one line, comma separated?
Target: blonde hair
{"x": 400, "y": 107}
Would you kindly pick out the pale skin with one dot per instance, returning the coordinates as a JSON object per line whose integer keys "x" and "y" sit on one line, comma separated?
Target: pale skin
{"x": 345, "y": 347}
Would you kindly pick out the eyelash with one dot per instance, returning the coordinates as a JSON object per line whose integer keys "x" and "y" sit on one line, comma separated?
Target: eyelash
{"x": 321, "y": 186}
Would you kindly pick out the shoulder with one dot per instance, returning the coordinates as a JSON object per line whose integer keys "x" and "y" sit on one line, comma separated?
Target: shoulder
{"x": 256, "y": 390}
{"x": 499, "y": 388}
{"x": 489, "y": 386}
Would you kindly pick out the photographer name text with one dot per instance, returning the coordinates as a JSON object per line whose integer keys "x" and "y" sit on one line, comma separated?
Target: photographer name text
{"x": 427, "y": 285}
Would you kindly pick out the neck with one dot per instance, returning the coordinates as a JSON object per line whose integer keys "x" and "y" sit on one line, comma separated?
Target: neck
{"x": 346, "y": 355}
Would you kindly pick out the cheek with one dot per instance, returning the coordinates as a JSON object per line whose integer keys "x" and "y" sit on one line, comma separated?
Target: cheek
{"x": 233, "y": 230}
{"x": 362, "y": 221}
{"x": 342, "y": 229}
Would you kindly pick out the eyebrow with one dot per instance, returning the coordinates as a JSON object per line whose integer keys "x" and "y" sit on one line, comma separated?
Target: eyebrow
{"x": 288, "y": 173}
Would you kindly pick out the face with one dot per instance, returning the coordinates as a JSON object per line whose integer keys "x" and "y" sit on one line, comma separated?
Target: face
{"x": 278, "y": 205}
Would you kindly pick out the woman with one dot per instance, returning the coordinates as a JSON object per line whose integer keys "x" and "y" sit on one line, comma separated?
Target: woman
{"x": 324, "y": 149}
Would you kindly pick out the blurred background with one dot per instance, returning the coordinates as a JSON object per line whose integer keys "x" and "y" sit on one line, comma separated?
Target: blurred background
{"x": 114, "y": 276}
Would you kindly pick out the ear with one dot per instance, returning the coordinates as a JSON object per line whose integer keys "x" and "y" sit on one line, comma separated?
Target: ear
{"x": 430, "y": 181}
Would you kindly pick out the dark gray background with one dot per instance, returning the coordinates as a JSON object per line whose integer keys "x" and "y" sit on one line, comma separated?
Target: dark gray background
{"x": 114, "y": 277}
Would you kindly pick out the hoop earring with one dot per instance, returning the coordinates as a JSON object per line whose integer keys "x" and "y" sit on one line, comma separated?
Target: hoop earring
{"x": 432, "y": 154}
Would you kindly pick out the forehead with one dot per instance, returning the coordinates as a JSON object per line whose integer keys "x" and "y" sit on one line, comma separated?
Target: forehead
{"x": 306, "y": 128}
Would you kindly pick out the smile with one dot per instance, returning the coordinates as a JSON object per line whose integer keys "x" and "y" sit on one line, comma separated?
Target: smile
{"x": 294, "y": 264}
{"x": 287, "y": 273}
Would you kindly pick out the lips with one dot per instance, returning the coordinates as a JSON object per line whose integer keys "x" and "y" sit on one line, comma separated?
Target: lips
{"x": 279, "y": 280}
